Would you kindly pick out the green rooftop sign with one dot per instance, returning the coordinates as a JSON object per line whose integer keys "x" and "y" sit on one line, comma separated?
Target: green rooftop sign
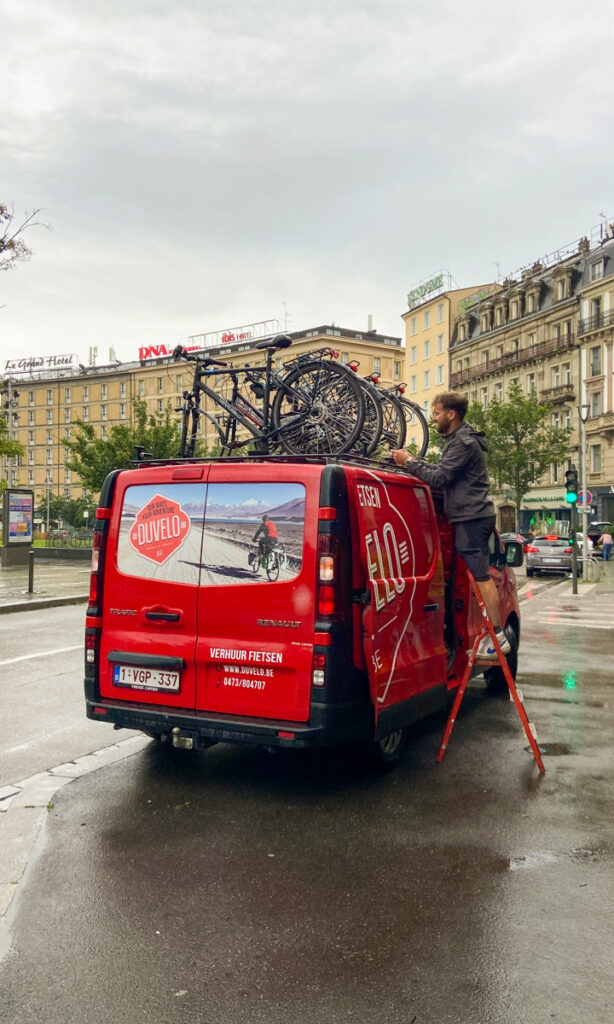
{"x": 421, "y": 290}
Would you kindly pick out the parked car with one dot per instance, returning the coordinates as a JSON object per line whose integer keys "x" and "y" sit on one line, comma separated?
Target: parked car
{"x": 550, "y": 553}
{"x": 516, "y": 538}
{"x": 595, "y": 530}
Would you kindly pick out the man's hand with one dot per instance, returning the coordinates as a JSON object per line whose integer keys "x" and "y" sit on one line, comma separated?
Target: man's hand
{"x": 400, "y": 457}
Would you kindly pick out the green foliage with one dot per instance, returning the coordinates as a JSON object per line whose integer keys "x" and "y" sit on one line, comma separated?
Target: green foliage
{"x": 7, "y": 447}
{"x": 521, "y": 442}
{"x": 92, "y": 458}
{"x": 66, "y": 510}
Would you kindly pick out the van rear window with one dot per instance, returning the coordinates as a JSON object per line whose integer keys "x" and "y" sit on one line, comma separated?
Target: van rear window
{"x": 216, "y": 535}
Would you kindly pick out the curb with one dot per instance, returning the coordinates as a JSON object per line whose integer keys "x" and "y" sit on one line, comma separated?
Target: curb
{"x": 23, "y": 811}
{"x": 36, "y": 603}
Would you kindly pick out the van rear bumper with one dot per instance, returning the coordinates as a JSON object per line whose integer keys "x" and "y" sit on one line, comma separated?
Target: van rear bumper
{"x": 328, "y": 724}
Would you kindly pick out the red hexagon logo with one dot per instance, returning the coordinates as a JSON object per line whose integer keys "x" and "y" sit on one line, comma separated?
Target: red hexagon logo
{"x": 160, "y": 528}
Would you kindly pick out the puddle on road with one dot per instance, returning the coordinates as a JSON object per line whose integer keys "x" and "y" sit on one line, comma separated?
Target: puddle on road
{"x": 554, "y": 749}
{"x": 538, "y": 858}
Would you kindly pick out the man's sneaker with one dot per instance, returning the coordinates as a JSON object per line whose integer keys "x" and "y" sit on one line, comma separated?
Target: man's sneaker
{"x": 487, "y": 652}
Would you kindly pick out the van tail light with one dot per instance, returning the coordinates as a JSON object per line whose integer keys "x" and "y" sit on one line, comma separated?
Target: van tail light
{"x": 533, "y": 550}
{"x": 318, "y": 670}
{"x": 328, "y": 603}
{"x": 99, "y": 543}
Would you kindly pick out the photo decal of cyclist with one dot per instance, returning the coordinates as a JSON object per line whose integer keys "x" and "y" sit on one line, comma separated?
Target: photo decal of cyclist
{"x": 228, "y": 533}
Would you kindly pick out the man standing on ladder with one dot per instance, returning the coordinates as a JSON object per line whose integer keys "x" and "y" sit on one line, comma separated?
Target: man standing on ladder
{"x": 462, "y": 476}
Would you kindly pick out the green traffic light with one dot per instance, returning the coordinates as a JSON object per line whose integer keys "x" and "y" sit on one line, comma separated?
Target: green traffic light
{"x": 569, "y": 680}
{"x": 571, "y": 498}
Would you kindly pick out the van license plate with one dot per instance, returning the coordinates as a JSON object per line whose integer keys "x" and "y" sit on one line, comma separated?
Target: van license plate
{"x": 145, "y": 678}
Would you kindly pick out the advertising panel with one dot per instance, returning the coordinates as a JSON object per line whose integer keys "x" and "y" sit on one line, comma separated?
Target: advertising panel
{"x": 19, "y": 516}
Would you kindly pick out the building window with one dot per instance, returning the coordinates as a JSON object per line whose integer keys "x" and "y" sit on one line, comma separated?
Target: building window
{"x": 413, "y": 354}
{"x": 499, "y": 352}
{"x": 484, "y": 397}
{"x": 103, "y": 412}
{"x": 30, "y": 398}
{"x": 462, "y": 332}
{"x": 160, "y": 385}
{"x": 122, "y": 389}
{"x": 30, "y": 437}
{"x": 31, "y": 420}
{"x": 180, "y": 375}
{"x": 556, "y": 420}
{"x": 531, "y": 303}
{"x": 66, "y": 476}
{"x": 50, "y": 456}
{"x": 49, "y": 396}
{"x": 561, "y": 290}
{"x": 595, "y": 458}
{"x": 426, "y": 378}
{"x": 595, "y": 361}
{"x": 49, "y": 415}
{"x": 566, "y": 368}
{"x": 440, "y": 312}
{"x": 498, "y": 316}
{"x": 30, "y": 458}
{"x": 122, "y": 410}
{"x": 499, "y": 391}
{"x": 426, "y": 319}
{"x": 67, "y": 432}
{"x": 440, "y": 344}
{"x": 597, "y": 270}
{"x": 49, "y": 476}
{"x": 377, "y": 364}
{"x": 103, "y": 431}
{"x": 554, "y": 474}
{"x": 67, "y": 415}
{"x": 160, "y": 407}
{"x": 413, "y": 384}
{"x": 397, "y": 370}
{"x": 556, "y": 376}
{"x": 49, "y": 437}
{"x": 531, "y": 340}
{"x": 530, "y": 383}
{"x": 439, "y": 374}
{"x": 103, "y": 392}
{"x": 596, "y": 403}
{"x": 485, "y": 357}
{"x": 67, "y": 493}
{"x": 427, "y": 349}
{"x": 413, "y": 325}
{"x": 86, "y": 413}
{"x": 66, "y": 395}
{"x": 514, "y": 310}
{"x": 30, "y": 476}
{"x": 86, "y": 393}
{"x": 280, "y": 363}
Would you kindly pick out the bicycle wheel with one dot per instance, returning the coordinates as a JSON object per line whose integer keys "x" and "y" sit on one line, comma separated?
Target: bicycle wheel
{"x": 372, "y": 425}
{"x": 319, "y": 409}
{"x": 394, "y": 430}
{"x": 417, "y": 427}
{"x": 273, "y": 566}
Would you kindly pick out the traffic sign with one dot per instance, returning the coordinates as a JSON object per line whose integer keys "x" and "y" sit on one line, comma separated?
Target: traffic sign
{"x": 585, "y": 498}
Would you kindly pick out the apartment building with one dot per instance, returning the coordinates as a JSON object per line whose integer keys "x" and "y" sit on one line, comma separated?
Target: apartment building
{"x": 550, "y": 330}
{"x": 54, "y": 392}
{"x": 434, "y": 305}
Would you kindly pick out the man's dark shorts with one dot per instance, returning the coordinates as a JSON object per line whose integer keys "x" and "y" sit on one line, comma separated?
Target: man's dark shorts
{"x": 471, "y": 540}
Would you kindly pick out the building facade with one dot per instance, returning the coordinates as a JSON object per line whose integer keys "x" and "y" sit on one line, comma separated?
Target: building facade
{"x": 429, "y": 324}
{"x": 53, "y": 393}
{"x": 550, "y": 330}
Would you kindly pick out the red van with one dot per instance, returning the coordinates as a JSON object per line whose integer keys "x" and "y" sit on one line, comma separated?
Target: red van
{"x": 291, "y": 602}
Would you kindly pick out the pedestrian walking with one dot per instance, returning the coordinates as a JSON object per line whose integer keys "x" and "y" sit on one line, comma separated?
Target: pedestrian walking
{"x": 606, "y": 540}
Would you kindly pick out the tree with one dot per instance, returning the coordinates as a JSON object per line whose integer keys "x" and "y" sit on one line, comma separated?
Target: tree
{"x": 521, "y": 442}
{"x": 66, "y": 510}
{"x": 92, "y": 457}
{"x": 13, "y": 249}
{"x": 12, "y": 449}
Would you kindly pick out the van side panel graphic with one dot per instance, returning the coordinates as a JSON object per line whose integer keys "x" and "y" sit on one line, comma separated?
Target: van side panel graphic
{"x": 404, "y": 647}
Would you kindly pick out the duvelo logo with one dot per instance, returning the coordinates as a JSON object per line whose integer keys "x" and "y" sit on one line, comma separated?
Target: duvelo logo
{"x": 160, "y": 528}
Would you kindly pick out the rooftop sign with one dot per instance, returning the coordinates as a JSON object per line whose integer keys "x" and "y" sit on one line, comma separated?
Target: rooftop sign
{"x": 434, "y": 284}
{"x": 43, "y": 365}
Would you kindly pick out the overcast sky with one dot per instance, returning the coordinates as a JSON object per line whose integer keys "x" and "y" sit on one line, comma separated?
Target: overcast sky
{"x": 201, "y": 164}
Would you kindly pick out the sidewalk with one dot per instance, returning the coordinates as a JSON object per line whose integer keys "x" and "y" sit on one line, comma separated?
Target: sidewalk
{"x": 55, "y": 583}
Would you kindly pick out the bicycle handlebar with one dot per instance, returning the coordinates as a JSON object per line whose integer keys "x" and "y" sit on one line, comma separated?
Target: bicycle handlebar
{"x": 181, "y": 353}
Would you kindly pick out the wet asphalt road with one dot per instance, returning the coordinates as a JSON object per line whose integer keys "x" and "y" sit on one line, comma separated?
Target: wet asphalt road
{"x": 235, "y": 885}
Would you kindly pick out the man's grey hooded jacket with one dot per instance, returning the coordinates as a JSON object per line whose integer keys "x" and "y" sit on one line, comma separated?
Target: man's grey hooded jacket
{"x": 460, "y": 474}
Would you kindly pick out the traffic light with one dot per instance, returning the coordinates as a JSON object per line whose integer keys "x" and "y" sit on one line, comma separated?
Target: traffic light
{"x": 571, "y": 484}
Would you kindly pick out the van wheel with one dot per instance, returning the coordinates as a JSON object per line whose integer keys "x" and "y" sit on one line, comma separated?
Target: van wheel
{"x": 387, "y": 752}
{"x": 496, "y": 682}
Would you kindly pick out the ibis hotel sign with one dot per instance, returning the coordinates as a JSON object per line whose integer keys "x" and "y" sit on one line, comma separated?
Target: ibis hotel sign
{"x": 420, "y": 292}
{"x": 246, "y": 334}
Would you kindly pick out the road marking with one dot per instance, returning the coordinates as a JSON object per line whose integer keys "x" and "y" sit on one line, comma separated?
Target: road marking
{"x": 42, "y": 654}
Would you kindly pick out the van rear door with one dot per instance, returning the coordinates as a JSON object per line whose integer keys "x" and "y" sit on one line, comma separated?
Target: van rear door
{"x": 256, "y": 618}
{"x": 150, "y": 596}
{"x": 403, "y": 619}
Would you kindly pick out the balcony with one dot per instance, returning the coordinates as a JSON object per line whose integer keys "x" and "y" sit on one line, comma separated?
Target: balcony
{"x": 602, "y": 424}
{"x": 512, "y": 359}
{"x": 559, "y": 394}
{"x": 595, "y": 323}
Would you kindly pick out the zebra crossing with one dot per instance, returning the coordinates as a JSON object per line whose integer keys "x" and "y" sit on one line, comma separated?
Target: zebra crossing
{"x": 589, "y": 609}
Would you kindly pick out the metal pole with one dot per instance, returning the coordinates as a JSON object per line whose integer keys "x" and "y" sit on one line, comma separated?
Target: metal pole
{"x": 574, "y": 549}
{"x": 584, "y": 509}
{"x": 31, "y": 571}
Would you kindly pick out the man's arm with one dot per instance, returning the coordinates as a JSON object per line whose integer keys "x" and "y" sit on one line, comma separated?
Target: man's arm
{"x": 450, "y": 466}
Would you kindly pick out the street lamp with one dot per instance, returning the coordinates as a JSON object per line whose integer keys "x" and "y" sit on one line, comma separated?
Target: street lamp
{"x": 583, "y": 411}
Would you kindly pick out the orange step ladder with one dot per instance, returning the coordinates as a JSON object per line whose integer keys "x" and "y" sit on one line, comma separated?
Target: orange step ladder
{"x": 514, "y": 695}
